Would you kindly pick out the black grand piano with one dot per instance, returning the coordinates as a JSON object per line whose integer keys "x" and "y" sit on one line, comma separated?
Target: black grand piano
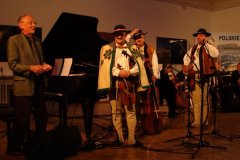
{"x": 75, "y": 36}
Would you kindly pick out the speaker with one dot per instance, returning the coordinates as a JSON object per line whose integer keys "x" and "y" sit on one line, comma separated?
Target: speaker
{"x": 56, "y": 144}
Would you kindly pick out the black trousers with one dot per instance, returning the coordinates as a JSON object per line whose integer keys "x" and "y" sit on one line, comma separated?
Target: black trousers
{"x": 168, "y": 92}
{"x": 24, "y": 106}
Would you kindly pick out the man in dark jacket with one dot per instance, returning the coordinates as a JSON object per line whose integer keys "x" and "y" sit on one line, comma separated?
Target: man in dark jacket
{"x": 25, "y": 58}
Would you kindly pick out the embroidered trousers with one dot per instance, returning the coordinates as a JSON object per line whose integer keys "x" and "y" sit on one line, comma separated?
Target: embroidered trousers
{"x": 117, "y": 121}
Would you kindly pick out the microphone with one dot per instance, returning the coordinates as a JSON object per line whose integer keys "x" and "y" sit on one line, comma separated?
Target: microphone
{"x": 203, "y": 42}
{"x": 175, "y": 41}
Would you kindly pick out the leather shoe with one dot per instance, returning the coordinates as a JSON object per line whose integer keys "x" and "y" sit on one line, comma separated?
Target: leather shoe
{"x": 136, "y": 144}
{"x": 116, "y": 143}
{"x": 17, "y": 151}
{"x": 204, "y": 126}
{"x": 88, "y": 146}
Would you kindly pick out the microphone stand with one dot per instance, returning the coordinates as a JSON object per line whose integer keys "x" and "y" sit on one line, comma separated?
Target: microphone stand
{"x": 202, "y": 82}
{"x": 189, "y": 134}
{"x": 200, "y": 142}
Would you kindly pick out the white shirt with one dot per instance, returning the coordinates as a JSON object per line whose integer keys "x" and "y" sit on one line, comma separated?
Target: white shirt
{"x": 123, "y": 61}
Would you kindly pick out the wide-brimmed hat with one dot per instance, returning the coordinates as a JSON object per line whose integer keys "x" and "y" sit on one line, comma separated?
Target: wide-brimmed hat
{"x": 138, "y": 34}
{"x": 118, "y": 29}
{"x": 202, "y": 31}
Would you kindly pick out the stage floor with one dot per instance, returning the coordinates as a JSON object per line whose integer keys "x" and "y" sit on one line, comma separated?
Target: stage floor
{"x": 155, "y": 147}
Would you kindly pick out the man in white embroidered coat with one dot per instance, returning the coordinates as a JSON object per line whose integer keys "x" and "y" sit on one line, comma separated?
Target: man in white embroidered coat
{"x": 115, "y": 69}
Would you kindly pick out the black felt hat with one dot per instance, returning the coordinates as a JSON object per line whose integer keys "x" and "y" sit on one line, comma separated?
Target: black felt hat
{"x": 138, "y": 34}
{"x": 119, "y": 29}
{"x": 202, "y": 31}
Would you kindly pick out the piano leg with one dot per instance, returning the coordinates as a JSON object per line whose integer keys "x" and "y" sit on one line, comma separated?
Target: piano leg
{"x": 63, "y": 113}
{"x": 62, "y": 100}
{"x": 88, "y": 109}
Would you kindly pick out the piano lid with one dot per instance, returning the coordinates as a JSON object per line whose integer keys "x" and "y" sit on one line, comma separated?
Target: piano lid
{"x": 74, "y": 36}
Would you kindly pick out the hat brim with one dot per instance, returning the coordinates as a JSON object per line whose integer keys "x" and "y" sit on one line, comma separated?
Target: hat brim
{"x": 120, "y": 31}
{"x": 206, "y": 33}
{"x": 135, "y": 36}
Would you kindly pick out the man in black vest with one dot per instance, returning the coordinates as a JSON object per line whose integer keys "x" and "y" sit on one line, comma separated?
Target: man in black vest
{"x": 200, "y": 59}
{"x": 150, "y": 59}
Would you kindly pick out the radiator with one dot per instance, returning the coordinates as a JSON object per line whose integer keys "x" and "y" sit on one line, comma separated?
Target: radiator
{"x": 3, "y": 95}
{"x": 5, "y": 89}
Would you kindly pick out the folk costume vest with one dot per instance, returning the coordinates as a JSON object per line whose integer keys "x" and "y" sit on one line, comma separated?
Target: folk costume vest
{"x": 207, "y": 62}
{"x": 148, "y": 54}
{"x": 107, "y": 57}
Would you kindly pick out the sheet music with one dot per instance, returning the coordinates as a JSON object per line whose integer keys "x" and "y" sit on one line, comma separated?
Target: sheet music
{"x": 77, "y": 74}
{"x": 58, "y": 63}
{"x": 66, "y": 66}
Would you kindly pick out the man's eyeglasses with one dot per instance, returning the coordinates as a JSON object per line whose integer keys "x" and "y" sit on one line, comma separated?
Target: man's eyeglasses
{"x": 30, "y": 22}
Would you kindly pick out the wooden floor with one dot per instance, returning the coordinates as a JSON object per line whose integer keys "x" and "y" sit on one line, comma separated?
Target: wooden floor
{"x": 212, "y": 146}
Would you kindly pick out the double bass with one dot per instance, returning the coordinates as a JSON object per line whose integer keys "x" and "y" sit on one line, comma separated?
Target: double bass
{"x": 182, "y": 81}
{"x": 152, "y": 121}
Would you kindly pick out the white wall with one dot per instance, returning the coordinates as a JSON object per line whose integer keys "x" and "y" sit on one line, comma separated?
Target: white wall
{"x": 157, "y": 18}
{"x": 226, "y": 21}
